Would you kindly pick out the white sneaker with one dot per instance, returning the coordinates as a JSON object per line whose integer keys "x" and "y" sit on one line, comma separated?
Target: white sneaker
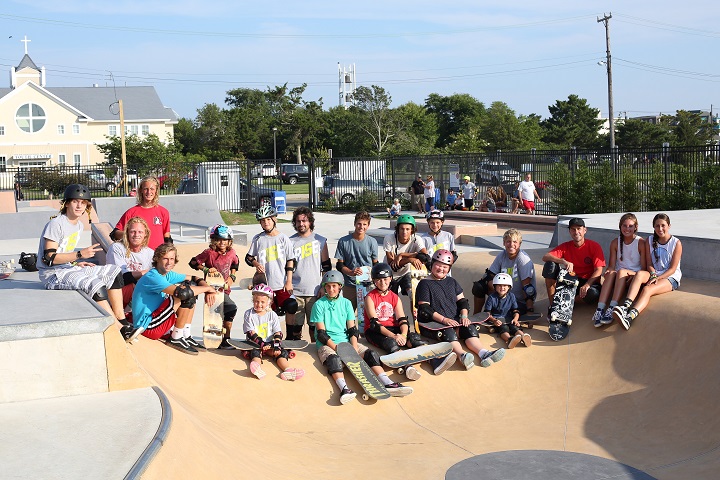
{"x": 412, "y": 373}
{"x": 468, "y": 359}
{"x": 597, "y": 318}
{"x": 619, "y": 312}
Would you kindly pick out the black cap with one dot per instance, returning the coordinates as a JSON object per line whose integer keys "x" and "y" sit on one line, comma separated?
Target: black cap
{"x": 576, "y": 222}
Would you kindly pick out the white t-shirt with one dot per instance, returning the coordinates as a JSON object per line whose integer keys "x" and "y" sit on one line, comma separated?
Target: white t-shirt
{"x": 136, "y": 262}
{"x": 430, "y": 189}
{"x": 527, "y": 191}
{"x": 414, "y": 245}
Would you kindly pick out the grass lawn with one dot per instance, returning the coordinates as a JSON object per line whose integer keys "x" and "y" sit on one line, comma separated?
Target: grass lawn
{"x": 242, "y": 218}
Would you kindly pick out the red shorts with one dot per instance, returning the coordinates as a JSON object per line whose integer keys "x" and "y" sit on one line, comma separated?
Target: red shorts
{"x": 528, "y": 204}
{"x": 127, "y": 291}
{"x": 163, "y": 319}
{"x": 279, "y": 298}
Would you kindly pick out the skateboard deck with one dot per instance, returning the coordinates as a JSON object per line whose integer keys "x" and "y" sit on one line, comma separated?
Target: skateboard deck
{"x": 361, "y": 371}
{"x": 415, "y": 355}
{"x": 526, "y": 321}
{"x": 6, "y": 269}
{"x": 362, "y": 287}
{"x": 213, "y": 315}
{"x": 289, "y": 345}
{"x": 477, "y": 319}
{"x": 416, "y": 274}
{"x": 561, "y": 309}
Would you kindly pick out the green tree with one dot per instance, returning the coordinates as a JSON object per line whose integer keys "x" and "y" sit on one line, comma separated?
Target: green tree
{"x": 249, "y": 124}
{"x": 606, "y": 190}
{"x": 500, "y": 128}
{"x": 689, "y": 129}
{"x": 657, "y": 197}
{"x": 417, "y": 134}
{"x": 630, "y": 196}
{"x": 572, "y": 123}
{"x": 682, "y": 189}
{"x": 186, "y": 136}
{"x": 561, "y": 198}
{"x": 377, "y": 119}
{"x": 708, "y": 181}
{"x": 531, "y": 132}
{"x": 142, "y": 153}
{"x": 215, "y": 133}
{"x": 468, "y": 141}
{"x": 454, "y": 114}
{"x": 341, "y": 133}
{"x": 634, "y": 133}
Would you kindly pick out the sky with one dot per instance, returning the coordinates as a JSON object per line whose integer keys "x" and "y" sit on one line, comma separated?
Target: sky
{"x": 526, "y": 53}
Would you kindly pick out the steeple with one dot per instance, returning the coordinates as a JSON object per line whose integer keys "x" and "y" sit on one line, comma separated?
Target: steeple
{"x": 26, "y": 71}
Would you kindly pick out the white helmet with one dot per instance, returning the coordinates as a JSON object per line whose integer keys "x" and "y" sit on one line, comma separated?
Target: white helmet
{"x": 502, "y": 279}
{"x": 262, "y": 289}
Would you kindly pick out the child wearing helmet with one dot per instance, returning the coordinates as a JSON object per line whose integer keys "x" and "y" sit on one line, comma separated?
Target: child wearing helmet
{"x": 440, "y": 299}
{"x": 334, "y": 320}
{"x": 504, "y": 314}
{"x": 394, "y": 209}
{"x": 402, "y": 249}
{"x": 221, "y": 258}
{"x": 61, "y": 267}
{"x": 436, "y": 238}
{"x": 262, "y": 327}
{"x": 272, "y": 254}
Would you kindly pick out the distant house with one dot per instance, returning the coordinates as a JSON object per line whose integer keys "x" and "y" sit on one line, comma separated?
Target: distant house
{"x": 46, "y": 126}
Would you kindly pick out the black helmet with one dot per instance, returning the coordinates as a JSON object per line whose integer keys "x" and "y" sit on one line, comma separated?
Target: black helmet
{"x": 75, "y": 190}
{"x": 381, "y": 270}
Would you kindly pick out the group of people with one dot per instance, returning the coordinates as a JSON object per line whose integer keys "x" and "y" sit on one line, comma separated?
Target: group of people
{"x": 139, "y": 288}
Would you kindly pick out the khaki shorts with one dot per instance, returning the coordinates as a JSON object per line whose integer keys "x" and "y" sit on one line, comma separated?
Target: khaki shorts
{"x": 305, "y": 305}
{"x": 324, "y": 352}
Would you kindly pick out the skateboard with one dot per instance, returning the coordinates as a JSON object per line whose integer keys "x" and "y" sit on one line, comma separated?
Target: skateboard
{"x": 415, "y": 276}
{"x": 415, "y": 355}
{"x": 477, "y": 319}
{"x": 561, "y": 309}
{"x": 362, "y": 287}
{"x": 526, "y": 321}
{"x": 7, "y": 268}
{"x": 361, "y": 371}
{"x": 290, "y": 345}
{"x": 257, "y": 279}
{"x": 213, "y": 315}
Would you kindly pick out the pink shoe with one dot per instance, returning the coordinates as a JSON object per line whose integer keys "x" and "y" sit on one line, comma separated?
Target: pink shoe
{"x": 257, "y": 370}
{"x": 292, "y": 374}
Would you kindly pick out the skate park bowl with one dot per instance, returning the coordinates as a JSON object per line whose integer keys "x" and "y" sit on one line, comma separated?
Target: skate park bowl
{"x": 603, "y": 403}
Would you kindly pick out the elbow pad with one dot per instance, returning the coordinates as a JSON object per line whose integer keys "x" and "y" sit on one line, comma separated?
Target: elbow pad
{"x": 463, "y": 303}
{"x": 339, "y": 265}
{"x": 423, "y": 257}
{"x": 168, "y": 240}
{"x": 49, "y": 256}
{"x": 353, "y": 332}
{"x": 291, "y": 265}
{"x": 194, "y": 264}
{"x": 455, "y": 256}
{"x": 322, "y": 336}
{"x": 326, "y": 265}
{"x": 113, "y": 234}
{"x": 375, "y": 325}
{"x": 249, "y": 259}
{"x": 425, "y": 312}
{"x": 234, "y": 266}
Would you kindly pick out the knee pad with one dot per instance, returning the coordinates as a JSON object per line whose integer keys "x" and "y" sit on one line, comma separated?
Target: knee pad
{"x": 128, "y": 278}
{"x": 469, "y": 332}
{"x": 255, "y": 353}
{"x": 389, "y": 345}
{"x": 530, "y": 291}
{"x": 101, "y": 294}
{"x": 290, "y": 306}
{"x": 333, "y": 364}
{"x": 372, "y": 358}
{"x": 448, "y": 335}
{"x": 551, "y": 270}
{"x": 416, "y": 340}
{"x": 189, "y": 303}
{"x": 425, "y": 312}
{"x": 119, "y": 282}
{"x": 593, "y": 295}
{"x": 480, "y": 288}
{"x": 230, "y": 310}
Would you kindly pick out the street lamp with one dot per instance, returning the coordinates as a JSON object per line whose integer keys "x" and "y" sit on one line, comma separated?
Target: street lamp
{"x": 274, "y": 143}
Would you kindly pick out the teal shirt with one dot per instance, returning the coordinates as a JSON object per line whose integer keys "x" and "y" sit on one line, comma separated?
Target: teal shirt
{"x": 334, "y": 314}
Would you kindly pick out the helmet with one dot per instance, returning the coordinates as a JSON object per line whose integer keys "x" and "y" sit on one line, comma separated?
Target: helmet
{"x": 435, "y": 213}
{"x": 75, "y": 190}
{"x": 466, "y": 177}
{"x": 266, "y": 211}
{"x": 502, "y": 279}
{"x": 262, "y": 289}
{"x": 381, "y": 270}
{"x": 443, "y": 256}
{"x": 405, "y": 218}
{"x": 333, "y": 276}
{"x": 221, "y": 232}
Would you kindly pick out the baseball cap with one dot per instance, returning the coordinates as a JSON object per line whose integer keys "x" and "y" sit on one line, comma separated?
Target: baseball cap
{"x": 576, "y": 222}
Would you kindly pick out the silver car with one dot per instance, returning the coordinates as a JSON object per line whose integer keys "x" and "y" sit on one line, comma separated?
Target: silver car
{"x": 496, "y": 173}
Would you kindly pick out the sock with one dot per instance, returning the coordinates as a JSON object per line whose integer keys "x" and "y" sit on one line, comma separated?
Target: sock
{"x": 482, "y": 352}
{"x": 627, "y": 303}
{"x": 341, "y": 383}
{"x": 613, "y": 303}
{"x": 385, "y": 379}
{"x": 632, "y": 313}
{"x": 601, "y": 306}
{"x": 186, "y": 331}
{"x": 177, "y": 333}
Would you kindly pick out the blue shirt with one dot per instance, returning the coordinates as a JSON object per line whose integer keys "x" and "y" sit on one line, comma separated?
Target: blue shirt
{"x": 500, "y": 308}
{"x": 148, "y": 294}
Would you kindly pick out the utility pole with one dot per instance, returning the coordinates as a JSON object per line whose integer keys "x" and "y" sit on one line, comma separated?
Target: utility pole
{"x": 608, "y": 62}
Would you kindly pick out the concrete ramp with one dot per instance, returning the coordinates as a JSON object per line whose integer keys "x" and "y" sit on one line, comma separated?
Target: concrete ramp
{"x": 198, "y": 209}
{"x": 645, "y": 398}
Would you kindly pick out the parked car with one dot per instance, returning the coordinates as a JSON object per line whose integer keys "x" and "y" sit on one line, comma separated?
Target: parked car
{"x": 96, "y": 180}
{"x": 264, "y": 170}
{"x": 258, "y": 195}
{"x": 188, "y": 185}
{"x": 24, "y": 179}
{"x": 293, "y": 173}
{"x": 496, "y": 173}
{"x": 345, "y": 191}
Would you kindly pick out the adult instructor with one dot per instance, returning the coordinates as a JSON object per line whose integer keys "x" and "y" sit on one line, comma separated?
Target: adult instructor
{"x": 149, "y": 209}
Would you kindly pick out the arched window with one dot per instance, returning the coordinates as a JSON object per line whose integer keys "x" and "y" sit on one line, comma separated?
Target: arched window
{"x": 30, "y": 117}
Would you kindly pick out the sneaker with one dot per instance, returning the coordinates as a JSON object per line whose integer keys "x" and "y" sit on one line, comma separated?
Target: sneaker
{"x": 194, "y": 343}
{"x": 181, "y": 345}
{"x": 627, "y": 319}
{"x": 597, "y": 318}
{"x": 526, "y": 339}
{"x": 412, "y": 373}
{"x": 257, "y": 370}
{"x": 446, "y": 363}
{"x": 398, "y": 390}
{"x": 292, "y": 374}
{"x": 130, "y": 333}
{"x": 512, "y": 342}
{"x": 346, "y": 395}
{"x": 489, "y": 357}
{"x": 607, "y": 317}
{"x": 468, "y": 359}
{"x": 619, "y": 312}
{"x": 225, "y": 345}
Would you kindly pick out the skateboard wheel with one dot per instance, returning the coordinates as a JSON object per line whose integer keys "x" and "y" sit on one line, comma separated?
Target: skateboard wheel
{"x": 291, "y": 354}
{"x": 439, "y": 335}
{"x": 365, "y": 397}
{"x": 401, "y": 370}
{"x": 246, "y": 354}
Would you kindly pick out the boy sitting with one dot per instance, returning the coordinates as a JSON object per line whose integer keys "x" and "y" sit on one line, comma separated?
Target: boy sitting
{"x": 502, "y": 305}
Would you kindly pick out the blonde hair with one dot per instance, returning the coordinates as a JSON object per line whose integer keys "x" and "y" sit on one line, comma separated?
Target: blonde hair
{"x": 150, "y": 178}
{"x": 512, "y": 234}
{"x": 126, "y": 234}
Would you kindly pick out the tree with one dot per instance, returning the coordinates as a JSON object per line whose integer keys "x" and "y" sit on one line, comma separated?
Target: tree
{"x": 186, "y": 136}
{"x": 250, "y": 123}
{"x": 341, "y": 133}
{"x": 572, "y": 123}
{"x": 417, "y": 133}
{"x": 377, "y": 120}
{"x": 142, "y": 153}
{"x": 634, "y": 133}
{"x": 454, "y": 114}
{"x": 215, "y": 133}
{"x": 689, "y": 129}
{"x": 500, "y": 128}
